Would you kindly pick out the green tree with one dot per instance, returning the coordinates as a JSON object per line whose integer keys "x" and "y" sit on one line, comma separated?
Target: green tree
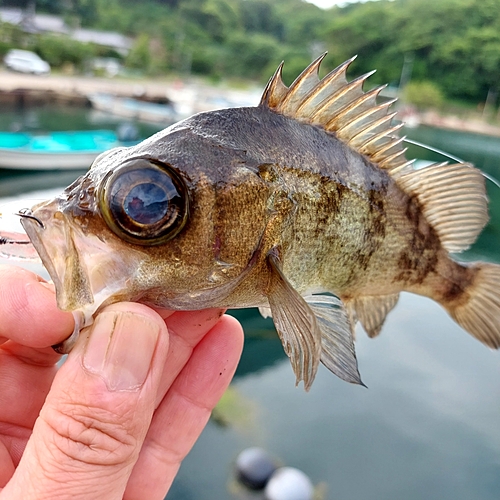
{"x": 59, "y": 50}
{"x": 139, "y": 56}
{"x": 423, "y": 95}
{"x": 251, "y": 54}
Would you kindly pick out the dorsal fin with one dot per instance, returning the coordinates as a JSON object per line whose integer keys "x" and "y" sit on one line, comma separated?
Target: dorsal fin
{"x": 453, "y": 200}
{"x": 343, "y": 108}
{"x": 453, "y": 197}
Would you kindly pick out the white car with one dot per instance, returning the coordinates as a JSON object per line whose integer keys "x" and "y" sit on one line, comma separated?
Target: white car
{"x": 26, "y": 62}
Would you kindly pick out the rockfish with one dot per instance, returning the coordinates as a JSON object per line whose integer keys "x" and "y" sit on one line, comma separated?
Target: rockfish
{"x": 276, "y": 206}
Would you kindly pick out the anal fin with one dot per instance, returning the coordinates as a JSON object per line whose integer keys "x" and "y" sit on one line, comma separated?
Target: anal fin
{"x": 371, "y": 311}
{"x": 265, "y": 312}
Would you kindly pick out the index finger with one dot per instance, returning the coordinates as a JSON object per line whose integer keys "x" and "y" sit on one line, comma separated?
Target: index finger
{"x": 28, "y": 310}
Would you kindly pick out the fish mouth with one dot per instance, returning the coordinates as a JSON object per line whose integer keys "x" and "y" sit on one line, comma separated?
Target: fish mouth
{"x": 85, "y": 270}
{"x": 51, "y": 236}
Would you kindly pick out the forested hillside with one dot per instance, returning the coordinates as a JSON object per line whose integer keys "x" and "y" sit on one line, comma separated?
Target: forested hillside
{"x": 455, "y": 44}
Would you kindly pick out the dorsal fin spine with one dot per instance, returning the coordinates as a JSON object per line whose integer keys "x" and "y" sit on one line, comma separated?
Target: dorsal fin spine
{"x": 342, "y": 108}
{"x": 358, "y": 138}
{"x": 364, "y": 98}
{"x": 351, "y": 87}
{"x": 401, "y": 169}
{"x": 384, "y": 134}
{"x": 328, "y": 81}
{"x": 310, "y": 71}
{"x": 327, "y": 102}
{"x": 392, "y": 159}
{"x": 275, "y": 88}
{"x": 360, "y": 117}
{"x": 383, "y": 151}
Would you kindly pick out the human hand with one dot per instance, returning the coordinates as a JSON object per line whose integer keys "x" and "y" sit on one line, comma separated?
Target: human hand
{"x": 116, "y": 420}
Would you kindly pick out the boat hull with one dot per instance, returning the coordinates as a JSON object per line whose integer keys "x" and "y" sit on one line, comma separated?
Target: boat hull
{"x": 133, "y": 109}
{"x": 26, "y": 160}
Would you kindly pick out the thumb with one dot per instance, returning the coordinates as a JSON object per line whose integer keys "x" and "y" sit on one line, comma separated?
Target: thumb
{"x": 95, "y": 418}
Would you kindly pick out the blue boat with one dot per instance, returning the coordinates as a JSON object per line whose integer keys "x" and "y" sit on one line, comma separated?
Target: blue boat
{"x": 54, "y": 150}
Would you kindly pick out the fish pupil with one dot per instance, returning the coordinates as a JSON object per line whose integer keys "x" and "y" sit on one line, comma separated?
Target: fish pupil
{"x": 146, "y": 203}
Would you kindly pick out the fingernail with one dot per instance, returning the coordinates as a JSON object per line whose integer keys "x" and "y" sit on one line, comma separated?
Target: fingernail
{"x": 120, "y": 349}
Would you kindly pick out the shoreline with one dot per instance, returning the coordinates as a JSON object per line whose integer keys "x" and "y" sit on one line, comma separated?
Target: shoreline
{"x": 191, "y": 96}
{"x": 453, "y": 122}
{"x": 19, "y": 88}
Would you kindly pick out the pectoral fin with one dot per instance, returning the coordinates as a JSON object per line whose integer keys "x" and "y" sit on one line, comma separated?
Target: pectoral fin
{"x": 296, "y": 325}
{"x": 371, "y": 311}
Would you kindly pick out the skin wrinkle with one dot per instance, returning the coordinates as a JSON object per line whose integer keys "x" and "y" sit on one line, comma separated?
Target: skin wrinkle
{"x": 88, "y": 433}
{"x": 15, "y": 431}
{"x": 69, "y": 480}
{"x": 170, "y": 464}
{"x": 15, "y": 445}
{"x": 191, "y": 401}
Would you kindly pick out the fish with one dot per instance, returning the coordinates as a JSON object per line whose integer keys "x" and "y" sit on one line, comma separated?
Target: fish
{"x": 304, "y": 206}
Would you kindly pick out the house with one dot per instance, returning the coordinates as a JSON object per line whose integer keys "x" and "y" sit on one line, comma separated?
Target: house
{"x": 32, "y": 22}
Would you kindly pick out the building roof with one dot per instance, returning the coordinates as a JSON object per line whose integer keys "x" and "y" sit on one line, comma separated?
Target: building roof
{"x": 45, "y": 23}
{"x": 105, "y": 38}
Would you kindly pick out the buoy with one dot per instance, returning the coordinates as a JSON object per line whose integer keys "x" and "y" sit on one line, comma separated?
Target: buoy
{"x": 254, "y": 467}
{"x": 288, "y": 483}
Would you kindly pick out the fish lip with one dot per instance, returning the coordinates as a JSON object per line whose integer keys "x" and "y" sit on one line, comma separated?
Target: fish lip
{"x": 26, "y": 213}
{"x": 77, "y": 263}
{"x": 34, "y": 229}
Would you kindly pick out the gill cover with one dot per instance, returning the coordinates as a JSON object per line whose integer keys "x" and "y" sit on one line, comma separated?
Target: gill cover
{"x": 144, "y": 202}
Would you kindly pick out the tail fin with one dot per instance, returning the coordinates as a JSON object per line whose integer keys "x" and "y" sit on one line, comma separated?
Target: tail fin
{"x": 478, "y": 311}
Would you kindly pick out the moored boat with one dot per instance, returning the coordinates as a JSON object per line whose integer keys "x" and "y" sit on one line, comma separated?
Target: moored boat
{"x": 55, "y": 150}
{"x": 134, "y": 109}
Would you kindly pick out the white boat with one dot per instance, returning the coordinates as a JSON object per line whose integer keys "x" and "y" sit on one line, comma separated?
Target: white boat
{"x": 134, "y": 109}
{"x": 55, "y": 150}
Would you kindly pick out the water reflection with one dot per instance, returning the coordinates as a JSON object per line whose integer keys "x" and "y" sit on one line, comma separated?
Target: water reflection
{"x": 425, "y": 428}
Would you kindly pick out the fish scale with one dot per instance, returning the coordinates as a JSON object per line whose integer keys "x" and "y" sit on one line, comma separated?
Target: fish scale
{"x": 304, "y": 206}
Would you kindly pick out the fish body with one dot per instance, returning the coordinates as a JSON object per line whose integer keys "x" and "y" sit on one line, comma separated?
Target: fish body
{"x": 270, "y": 207}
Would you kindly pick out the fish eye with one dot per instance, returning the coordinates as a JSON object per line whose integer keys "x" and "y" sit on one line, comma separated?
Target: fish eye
{"x": 144, "y": 202}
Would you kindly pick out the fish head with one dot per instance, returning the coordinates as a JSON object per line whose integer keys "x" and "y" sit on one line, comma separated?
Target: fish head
{"x": 176, "y": 221}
